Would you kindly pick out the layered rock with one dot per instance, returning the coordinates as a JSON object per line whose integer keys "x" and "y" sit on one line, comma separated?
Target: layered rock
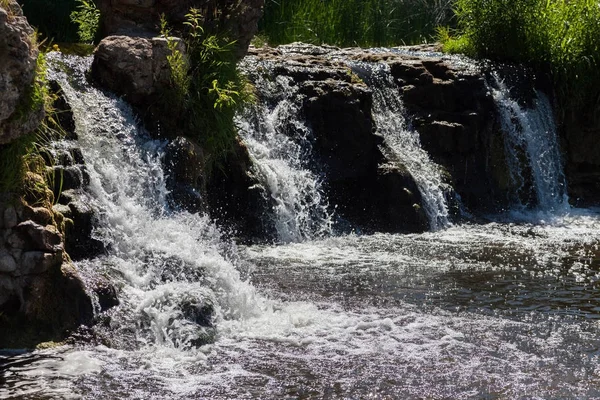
{"x": 238, "y": 20}
{"x": 447, "y": 103}
{"x": 40, "y": 290}
{"x": 18, "y": 63}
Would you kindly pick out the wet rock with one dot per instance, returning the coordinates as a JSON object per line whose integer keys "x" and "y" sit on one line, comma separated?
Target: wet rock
{"x": 38, "y": 237}
{"x": 64, "y": 113}
{"x": 235, "y": 199}
{"x": 107, "y": 294}
{"x": 38, "y": 262}
{"x": 69, "y": 177}
{"x": 10, "y": 217}
{"x": 18, "y": 60}
{"x": 79, "y": 241}
{"x": 7, "y": 263}
{"x": 184, "y": 161}
{"x": 447, "y": 102}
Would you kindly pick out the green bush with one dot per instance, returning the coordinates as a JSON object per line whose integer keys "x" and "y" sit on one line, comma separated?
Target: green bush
{"x": 207, "y": 88}
{"x": 353, "y": 22}
{"x": 87, "y": 18}
{"x": 560, "y": 37}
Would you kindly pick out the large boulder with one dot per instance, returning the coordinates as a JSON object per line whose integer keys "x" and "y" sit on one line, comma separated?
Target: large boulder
{"x": 18, "y": 61}
{"x": 236, "y": 19}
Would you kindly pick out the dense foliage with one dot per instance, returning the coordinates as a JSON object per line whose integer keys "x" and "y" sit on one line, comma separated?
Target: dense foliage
{"x": 353, "y": 22}
{"x": 207, "y": 88}
{"x": 561, "y": 37}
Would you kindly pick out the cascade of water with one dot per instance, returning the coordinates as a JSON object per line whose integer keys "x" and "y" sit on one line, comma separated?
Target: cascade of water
{"x": 175, "y": 276}
{"x": 403, "y": 144}
{"x": 532, "y": 132}
{"x": 279, "y": 144}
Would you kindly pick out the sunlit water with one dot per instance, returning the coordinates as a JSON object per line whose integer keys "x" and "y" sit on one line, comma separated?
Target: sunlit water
{"x": 500, "y": 310}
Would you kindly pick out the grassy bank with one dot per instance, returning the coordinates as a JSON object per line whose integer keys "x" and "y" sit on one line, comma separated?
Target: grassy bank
{"x": 560, "y": 37}
{"x": 354, "y": 22}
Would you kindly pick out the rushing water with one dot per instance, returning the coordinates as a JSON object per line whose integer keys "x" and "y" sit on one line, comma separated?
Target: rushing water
{"x": 532, "y": 149}
{"x": 501, "y": 310}
{"x": 403, "y": 145}
{"x": 279, "y": 144}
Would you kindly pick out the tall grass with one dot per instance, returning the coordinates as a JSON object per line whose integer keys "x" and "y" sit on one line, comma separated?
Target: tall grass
{"x": 561, "y": 37}
{"x": 353, "y": 22}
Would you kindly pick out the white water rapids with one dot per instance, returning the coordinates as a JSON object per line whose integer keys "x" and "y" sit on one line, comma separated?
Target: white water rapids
{"x": 493, "y": 311}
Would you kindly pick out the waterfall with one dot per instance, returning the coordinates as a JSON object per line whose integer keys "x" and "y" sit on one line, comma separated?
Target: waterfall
{"x": 532, "y": 149}
{"x": 403, "y": 145}
{"x": 279, "y": 144}
{"x": 174, "y": 270}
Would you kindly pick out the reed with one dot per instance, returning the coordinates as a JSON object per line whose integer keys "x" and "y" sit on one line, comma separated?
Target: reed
{"x": 354, "y": 22}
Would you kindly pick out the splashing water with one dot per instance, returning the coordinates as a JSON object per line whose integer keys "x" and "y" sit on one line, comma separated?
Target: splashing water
{"x": 494, "y": 311}
{"x": 172, "y": 266}
{"x": 279, "y": 144}
{"x": 403, "y": 144}
{"x": 532, "y": 132}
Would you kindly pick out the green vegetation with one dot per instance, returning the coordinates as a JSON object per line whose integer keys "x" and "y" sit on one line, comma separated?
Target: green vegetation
{"x": 354, "y": 22}
{"x": 207, "y": 88}
{"x": 22, "y": 167}
{"x": 560, "y": 37}
{"x": 87, "y": 18}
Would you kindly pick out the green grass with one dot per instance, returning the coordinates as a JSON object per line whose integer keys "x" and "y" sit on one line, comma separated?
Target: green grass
{"x": 559, "y": 37}
{"x": 354, "y": 22}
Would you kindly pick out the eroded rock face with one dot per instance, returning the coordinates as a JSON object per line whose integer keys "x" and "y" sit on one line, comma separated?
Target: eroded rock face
{"x": 18, "y": 57}
{"x": 40, "y": 291}
{"x": 447, "y": 103}
{"x": 237, "y": 19}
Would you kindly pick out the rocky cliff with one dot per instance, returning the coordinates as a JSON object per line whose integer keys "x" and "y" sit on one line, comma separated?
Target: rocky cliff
{"x": 447, "y": 102}
{"x": 18, "y": 62}
{"x": 42, "y": 296}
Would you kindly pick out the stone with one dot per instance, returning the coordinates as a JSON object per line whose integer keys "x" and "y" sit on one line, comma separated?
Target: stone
{"x": 15, "y": 240}
{"x": 7, "y": 263}
{"x": 10, "y": 217}
{"x": 38, "y": 262}
{"x": 79, "y": 242}
{"x": 184, "y": 163}
{"x": 40, "y": 215}
{"x": 44, "y": 238}
{"x": 7, "y": 288}
{"x": 18, "y": 63}
{"x": 136, "y": 68}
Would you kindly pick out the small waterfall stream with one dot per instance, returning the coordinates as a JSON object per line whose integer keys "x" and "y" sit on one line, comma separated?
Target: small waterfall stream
{"x": 532, "y": 150}
{"x": 176, "y": 273}
{"x": 403, "y": 144}
{"x": 279, "y": 144}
